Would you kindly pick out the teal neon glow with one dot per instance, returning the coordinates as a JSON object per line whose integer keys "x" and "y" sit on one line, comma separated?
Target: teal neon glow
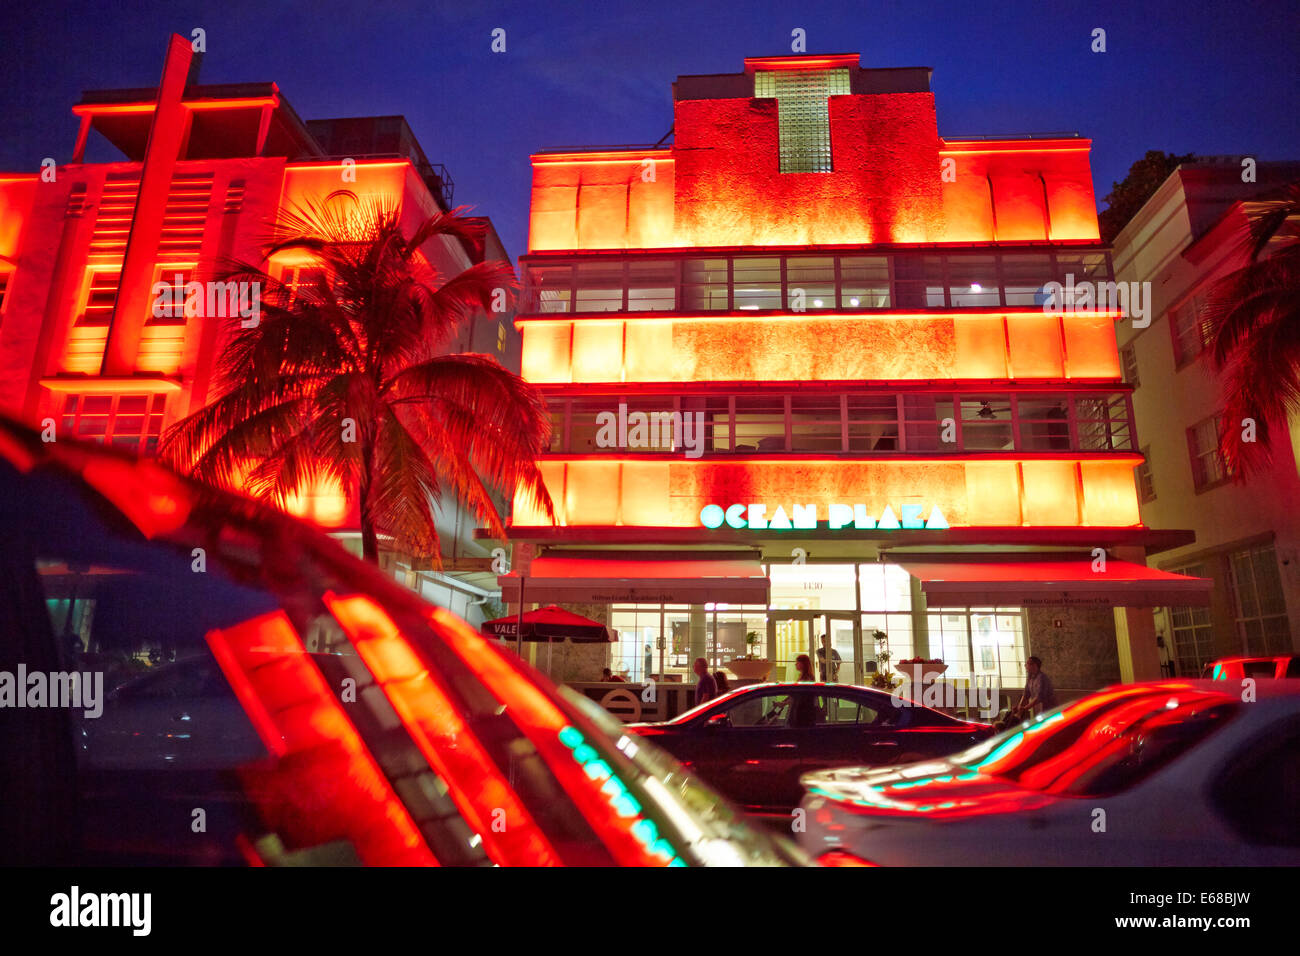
{"x": 1002, "y": 751}
{"x": 755, "y": 517}
{"x": 614, "y": 790}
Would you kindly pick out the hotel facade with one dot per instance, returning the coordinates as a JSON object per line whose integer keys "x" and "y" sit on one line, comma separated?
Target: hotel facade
{"x": 811, "y": 383}
{"x": 202, "y": 171}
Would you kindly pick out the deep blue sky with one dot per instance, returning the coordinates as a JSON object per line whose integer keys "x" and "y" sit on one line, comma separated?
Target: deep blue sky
{"x": 1195, "y": 77}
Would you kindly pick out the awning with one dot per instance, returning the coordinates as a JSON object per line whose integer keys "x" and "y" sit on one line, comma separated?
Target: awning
{"x": 564, "y": 580}
{"x": 1029, "y": 583}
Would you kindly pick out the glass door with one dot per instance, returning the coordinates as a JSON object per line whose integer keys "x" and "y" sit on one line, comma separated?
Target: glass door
{"x": 821, "y": 635}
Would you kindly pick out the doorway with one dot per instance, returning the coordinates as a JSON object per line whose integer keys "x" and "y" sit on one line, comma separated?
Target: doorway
{"x": 838, "y": 634}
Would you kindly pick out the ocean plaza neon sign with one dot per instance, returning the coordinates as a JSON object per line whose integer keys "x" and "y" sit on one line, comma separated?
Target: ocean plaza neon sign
{"x": 755, "y": 517}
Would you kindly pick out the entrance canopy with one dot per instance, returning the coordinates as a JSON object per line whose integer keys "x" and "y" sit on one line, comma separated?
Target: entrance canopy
{"x": 1028, "y": 583}
{"x": 615, "y": 580}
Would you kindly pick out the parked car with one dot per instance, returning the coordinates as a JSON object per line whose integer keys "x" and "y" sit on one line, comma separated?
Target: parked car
{"x": 238, "y": 669}
{"x": 1237, "y": 668}
{"x": 1183, "y": 773}
{"x": 755, "y": 742}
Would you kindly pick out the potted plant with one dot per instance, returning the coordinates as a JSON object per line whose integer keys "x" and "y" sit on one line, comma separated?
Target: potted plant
{"x": 748, "y": 666}
{"x": 922, "y": 670}
{"x": 882, "y": 678}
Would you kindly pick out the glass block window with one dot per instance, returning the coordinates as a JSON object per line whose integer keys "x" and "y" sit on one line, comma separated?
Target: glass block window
{"x": 803, "y": 116}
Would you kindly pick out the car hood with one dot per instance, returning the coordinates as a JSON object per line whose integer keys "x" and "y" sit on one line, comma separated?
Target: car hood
{"x": 934, "y": 789}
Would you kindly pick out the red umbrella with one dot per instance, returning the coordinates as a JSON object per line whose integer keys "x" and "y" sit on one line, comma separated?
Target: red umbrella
{"x": 550, "y": 622}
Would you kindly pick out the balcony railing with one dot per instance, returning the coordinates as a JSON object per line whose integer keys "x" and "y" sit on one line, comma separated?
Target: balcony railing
{"x": 805, "y": 283}
{"x": 850, "y": 423}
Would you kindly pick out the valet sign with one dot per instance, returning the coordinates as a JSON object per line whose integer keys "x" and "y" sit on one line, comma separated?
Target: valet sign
{"x": 759, "y": 517}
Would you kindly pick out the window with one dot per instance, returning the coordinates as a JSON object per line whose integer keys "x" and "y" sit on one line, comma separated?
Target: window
{"x": 1102, "y": 422}
{"x": 973, "y": 281}
{"x": 550, "y": 288}
{"x": 133, "y": 422}
{"x": 1024, "y": 276}
{"x": 1192, "y": 632}
{"x": 4, "y": 287}
{"x": 810, "y": 283}
{"x": 986, "y": 423}
{"x": 760, "y": 423}
{"x": 101, "y": 294}
{"x": 760, "y": 710}
{"x": 757, "y": 283}
{"x": 652, "y": 286}
{"x": 1128, "y": 362}
{"x": 919, "y": 282}
{"x": 924, "y": 428}
{"x": 169, "y": 305}
{"x": 864, "y": 282}
{"x": 704, "y": 284}
{"x": 873, "y": 422}
{"x": 803, "y": 116}
{"x": 1044, "y": 423}
{"x": 815, "y": 423}
{"x": 1142, "y": 473}
{"x": 837, "y": 710}
{"x": 1208, "y": 466}
{"x": 1258, "y": 601}
{"x": 599, "y": 287}
{"x": 501, "y": 336}
{"x": 1191, "y": 329}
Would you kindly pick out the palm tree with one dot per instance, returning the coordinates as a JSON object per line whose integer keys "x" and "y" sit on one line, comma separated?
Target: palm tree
{"x": 1255, "y": 314}
{"x": 347, "y": 379}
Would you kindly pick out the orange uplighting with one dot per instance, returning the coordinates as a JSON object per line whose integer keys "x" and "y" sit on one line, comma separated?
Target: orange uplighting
{"x": 994, "y": 491}
{"x": 235, "y": 103}
{"x": 820, "y": 347}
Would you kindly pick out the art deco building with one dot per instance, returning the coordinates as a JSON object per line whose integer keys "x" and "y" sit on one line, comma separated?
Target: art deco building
{"x": 889, "y": 422}
{"x": 203, "y": 171}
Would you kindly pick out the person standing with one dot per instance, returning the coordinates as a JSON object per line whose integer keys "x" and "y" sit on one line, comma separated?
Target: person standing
{"x": 1039, "y": 694}
{"x": 803, "y": 665}
{"x": 706, "y": 688}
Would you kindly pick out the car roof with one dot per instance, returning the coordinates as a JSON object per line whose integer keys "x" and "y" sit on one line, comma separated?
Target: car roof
{"x": 1263, "y": 687}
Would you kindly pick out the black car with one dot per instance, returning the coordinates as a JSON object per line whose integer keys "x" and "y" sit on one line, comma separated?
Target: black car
{"x": 753, "y": 743}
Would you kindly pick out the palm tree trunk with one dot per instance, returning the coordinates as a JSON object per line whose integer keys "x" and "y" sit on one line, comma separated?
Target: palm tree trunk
{"x": 369, "y": 537}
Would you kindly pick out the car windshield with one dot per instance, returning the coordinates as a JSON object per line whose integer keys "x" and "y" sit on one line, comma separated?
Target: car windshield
{"x": 1103, "y": 743}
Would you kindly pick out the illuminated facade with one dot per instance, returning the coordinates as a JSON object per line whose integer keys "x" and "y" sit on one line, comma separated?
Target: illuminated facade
{"x": 815, "y": 337}
{"x": 203, "y": 172}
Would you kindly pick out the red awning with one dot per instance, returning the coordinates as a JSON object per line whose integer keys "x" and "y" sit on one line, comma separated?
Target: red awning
{"x": 615, "y": 580}
{"x": 1029, "y": 583}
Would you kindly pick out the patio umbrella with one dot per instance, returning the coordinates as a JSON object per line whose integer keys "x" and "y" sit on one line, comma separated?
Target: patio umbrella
{"x": 546, "y": 624}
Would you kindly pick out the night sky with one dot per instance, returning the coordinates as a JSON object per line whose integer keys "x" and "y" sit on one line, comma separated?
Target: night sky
{"x": 1209, "y": 78}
